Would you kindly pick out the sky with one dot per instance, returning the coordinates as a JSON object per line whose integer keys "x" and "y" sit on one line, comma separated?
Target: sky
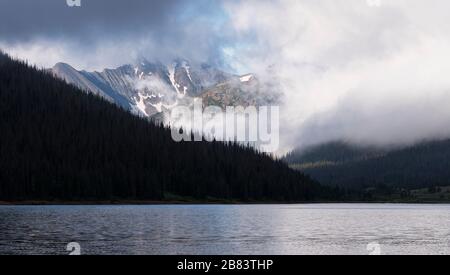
{"x": 366, "y": 71}
{"x": 108, "y": 33}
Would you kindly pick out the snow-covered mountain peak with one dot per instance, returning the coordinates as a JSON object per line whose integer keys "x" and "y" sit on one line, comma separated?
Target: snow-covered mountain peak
{"x": 151, "y": 88}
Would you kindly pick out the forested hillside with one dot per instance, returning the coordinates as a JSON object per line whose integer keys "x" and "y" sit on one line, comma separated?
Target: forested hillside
{"x": 424, "y": 165}
{"x": 59, "y": 143}
{"x": 336, "y": 152}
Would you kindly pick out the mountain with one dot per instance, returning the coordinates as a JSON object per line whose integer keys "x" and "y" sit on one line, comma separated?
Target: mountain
{"x": 93, "y": 82}
{"x": 153, "y": 89}
{"x": 242, "y": 91}
{"x": 60, "y": 143}
{"x": 424, "y": 165}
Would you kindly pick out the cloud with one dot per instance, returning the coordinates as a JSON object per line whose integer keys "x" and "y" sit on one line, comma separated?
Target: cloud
{"x": 350, "y": 70}
{"x": 24, "y": 19}
{"x": 108, "y": 33}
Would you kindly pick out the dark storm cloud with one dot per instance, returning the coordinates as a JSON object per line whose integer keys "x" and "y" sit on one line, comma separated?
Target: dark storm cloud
{"x": 27, "y": 19}
{"x": 104, "y": 33}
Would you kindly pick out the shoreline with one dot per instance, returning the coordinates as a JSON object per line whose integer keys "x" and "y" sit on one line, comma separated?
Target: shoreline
{"x": 175, "y": 202}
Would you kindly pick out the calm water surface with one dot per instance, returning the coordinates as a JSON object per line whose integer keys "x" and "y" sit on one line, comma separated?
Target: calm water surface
{"x": 226, "y": 229}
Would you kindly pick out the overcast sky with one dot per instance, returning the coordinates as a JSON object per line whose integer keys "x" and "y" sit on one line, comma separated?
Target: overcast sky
{"x": 369, "y": 71}
{"x": 110, "y": 32}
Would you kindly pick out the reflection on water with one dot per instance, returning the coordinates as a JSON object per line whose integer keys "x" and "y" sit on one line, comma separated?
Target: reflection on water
{"x": 226, "y": 229}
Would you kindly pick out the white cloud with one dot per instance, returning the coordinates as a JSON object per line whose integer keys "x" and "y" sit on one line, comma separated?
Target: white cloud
{"x": 349, "y": 70}
{"x": 47, "y": 52}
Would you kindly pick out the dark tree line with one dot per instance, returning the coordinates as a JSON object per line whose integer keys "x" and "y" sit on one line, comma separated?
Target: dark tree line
{"x": 60, "y": 143}
{"x": 420, "y": 166}
{"x": 333, "y": 152}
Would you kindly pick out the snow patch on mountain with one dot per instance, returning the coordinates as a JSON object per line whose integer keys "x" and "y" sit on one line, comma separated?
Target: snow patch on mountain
{"x": 246, "y": 78}
{"x": 141, "y": 104}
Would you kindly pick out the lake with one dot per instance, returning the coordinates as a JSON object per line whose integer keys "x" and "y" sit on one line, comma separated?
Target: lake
{"x": 227, "y": 229}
